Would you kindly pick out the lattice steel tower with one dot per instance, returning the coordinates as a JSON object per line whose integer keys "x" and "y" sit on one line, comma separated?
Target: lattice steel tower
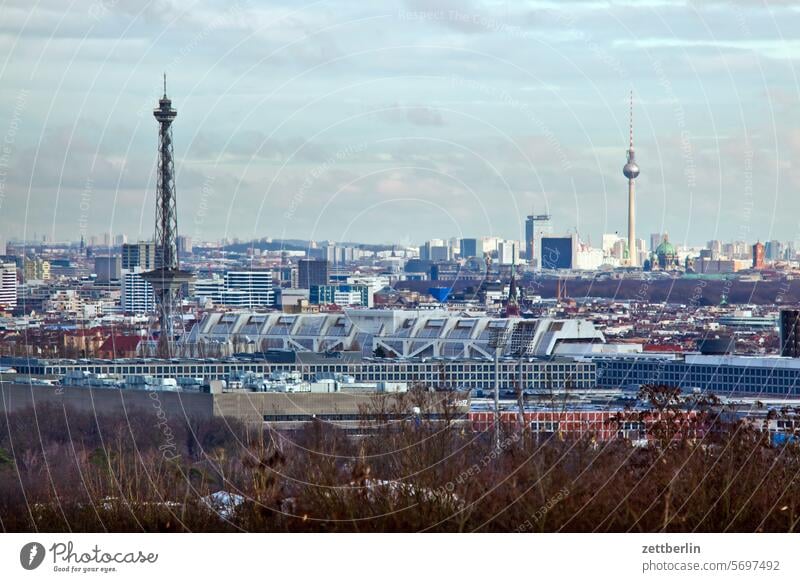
{"x": 167, "y": 278}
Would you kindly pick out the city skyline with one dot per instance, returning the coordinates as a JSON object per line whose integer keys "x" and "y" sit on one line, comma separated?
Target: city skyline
{"x": 308, "y": 127}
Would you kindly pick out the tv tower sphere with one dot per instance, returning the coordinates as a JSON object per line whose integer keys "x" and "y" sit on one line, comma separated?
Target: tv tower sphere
{"x": 631, "y": 169}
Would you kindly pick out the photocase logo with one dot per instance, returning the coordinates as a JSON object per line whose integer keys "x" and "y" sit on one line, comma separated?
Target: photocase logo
{"x": 31, "y": 555}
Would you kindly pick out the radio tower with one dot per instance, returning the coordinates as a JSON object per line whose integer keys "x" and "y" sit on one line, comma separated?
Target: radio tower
{"x": 167, "y": 277}
{"x": 631, "y": 170}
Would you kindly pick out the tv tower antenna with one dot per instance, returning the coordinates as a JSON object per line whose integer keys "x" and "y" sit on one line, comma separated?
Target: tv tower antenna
{"x": 167, "y": 278}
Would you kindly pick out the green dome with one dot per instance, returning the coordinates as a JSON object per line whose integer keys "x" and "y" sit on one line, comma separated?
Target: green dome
{"x": 665, "y": 249}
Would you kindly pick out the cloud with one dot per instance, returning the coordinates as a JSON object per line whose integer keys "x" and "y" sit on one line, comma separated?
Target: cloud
{"x": 411, "y": 114}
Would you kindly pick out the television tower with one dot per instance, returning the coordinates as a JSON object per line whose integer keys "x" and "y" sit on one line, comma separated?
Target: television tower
{"x": 167, "y": 278}
{"x": 631, "y": 170}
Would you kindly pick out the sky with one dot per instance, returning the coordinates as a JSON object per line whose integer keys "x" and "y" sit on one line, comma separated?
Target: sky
{"x": 400, "y": 121}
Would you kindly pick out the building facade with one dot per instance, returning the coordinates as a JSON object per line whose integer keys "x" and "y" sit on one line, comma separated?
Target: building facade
{"x": 141, "y": 254}
{"x": 8, "y": 286}
{"x": 342, "y": 295}
{"x": 253, "y": 288}
{"x": 137, "y": 295}
{"x": 312, "y": 272}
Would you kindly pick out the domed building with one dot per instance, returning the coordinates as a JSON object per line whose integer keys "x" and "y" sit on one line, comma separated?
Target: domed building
{"x": 666, "y": 254}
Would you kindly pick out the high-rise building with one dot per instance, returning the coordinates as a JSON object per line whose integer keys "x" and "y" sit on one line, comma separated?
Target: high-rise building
{"x": 758, "y": 255}
{"x": 773, "y": 250}
{"x": 507, "y": 252}
{"x": 469, "y": 248}
{"x": 141, "y": 254}
{"x": 8, "y": 286}
{"x": 790, "y": 333}
{"x": 656, "y": 239}
{"x": 137, "y": 296}
{"x": 256, "y": 286}
{"x": 558, "y": 252}
{"x": 530, "y": 235}
{"x": 631, "y": 171}
{"x": 312, "y": 272}
{"x": 435, "y": 250}
{"x": 108, "y": 268}
{"x": 120, "y": 240}
{"x": 35, "y": 269}
{"x": 184, "y": 245}
{"x": 715, "y": 246}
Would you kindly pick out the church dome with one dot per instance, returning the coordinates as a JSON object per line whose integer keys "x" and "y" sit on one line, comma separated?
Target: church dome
{"x": 666, "y": 249}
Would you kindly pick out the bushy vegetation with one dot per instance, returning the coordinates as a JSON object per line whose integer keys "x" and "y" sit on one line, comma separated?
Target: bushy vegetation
{"x": 62, "y": 470}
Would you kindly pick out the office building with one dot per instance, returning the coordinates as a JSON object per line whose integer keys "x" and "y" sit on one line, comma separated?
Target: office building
{"x": 342, "y": 295}
{"x": 108, "y": 268}
{"x": 773, "y": 250}
{"x": 211, "y": 289}
{"x": 469, "y": 248}
{"x": 507, "y": 252}
{"x": 141, "y": 255}
{"x": 249, "y": 289}
{"x": 790, "y": 333}
{"x": 558, "y": 252}
{"x": 530, "y": 235}
{"x": 435, "y": 250}
{"x": 312, "y": 272}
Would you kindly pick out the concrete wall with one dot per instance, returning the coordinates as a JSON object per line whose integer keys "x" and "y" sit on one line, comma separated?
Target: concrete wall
{"x": 245, "y": 406}
{"x": 106, "y": 400}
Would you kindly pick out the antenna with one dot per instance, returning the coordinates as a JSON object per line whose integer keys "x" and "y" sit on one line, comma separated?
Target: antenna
{"x": 631, "y": 123}
{"x": 165, "y": 88}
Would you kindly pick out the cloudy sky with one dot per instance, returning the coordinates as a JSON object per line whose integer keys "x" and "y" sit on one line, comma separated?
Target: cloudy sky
{"x": 402, "y": 120}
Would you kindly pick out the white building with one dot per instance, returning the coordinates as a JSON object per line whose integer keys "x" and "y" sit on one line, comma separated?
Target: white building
{"x": 8, "y": 286}
{"x": 210, "y": 289}
{"x": 249, "y": 289}
{"x": 137, "y": 294}
{"x": 588, "y": 258}
{"x": 508, "y": 252}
